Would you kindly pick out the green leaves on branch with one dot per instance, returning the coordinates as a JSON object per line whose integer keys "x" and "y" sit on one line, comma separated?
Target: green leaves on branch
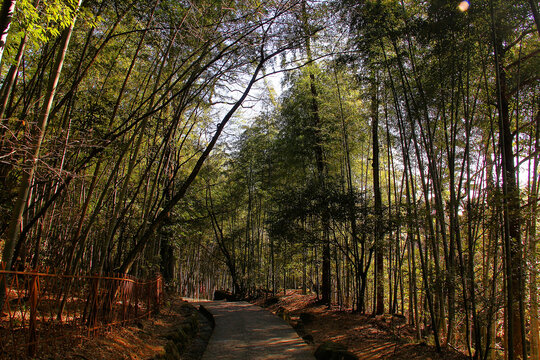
{"x": 44, "y": 20}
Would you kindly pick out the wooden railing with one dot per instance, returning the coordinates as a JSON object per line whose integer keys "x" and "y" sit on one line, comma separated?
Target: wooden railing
{"x": 39, "y": 306}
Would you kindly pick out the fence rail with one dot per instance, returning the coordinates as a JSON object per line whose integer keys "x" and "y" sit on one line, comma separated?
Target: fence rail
{"x": 37, "y": 306}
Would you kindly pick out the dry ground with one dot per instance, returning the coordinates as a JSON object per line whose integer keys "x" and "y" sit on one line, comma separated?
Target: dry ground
{"x": 141, "y": 340}
{"x": 370, "y": 338}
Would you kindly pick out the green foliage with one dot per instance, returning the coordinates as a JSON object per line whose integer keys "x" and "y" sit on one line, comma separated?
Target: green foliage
{"x": 45, "y": 21}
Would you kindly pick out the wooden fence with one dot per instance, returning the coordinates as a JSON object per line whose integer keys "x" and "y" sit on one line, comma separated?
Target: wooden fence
{"x": 40, "y": 306}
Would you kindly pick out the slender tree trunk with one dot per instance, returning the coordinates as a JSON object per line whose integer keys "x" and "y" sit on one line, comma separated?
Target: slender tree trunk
{"x": 326, "y": 287}
{"x": 378, "y": 235}
{"x": 145, "y": 236}
{"x": 6, "y": 15}
{"x": 9, "y": 82}
{"x": 132, "y": 162}
{"x": 533, "y": 248}
{"x": 536, "y": 15}
{"x": 358, "y": 255}
{"x": 511, "y": 215}
{"x": 493, "y": 250}
{"x": 28, "y": 174}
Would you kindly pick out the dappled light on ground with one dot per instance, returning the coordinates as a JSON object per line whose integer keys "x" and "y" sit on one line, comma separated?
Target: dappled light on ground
{"x": 368, "y": 337}
{"x": 245, "y": 331}
{"x": 141, "y": 340}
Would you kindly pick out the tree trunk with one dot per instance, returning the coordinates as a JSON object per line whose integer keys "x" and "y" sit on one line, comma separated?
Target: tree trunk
{"x": 533, "y": 245}
{"x": 326, "y": 286}
{"x": 28, "y": 174}
{"x": 536, "y": 15}
{"x": 6, "y": 15}
{"x": 9, "y": 82}
{"x": 511, "y": 216}
{"x": 143, "y": 239}
{"x": 132, "y": 162}
{"x": 378, "y": 235}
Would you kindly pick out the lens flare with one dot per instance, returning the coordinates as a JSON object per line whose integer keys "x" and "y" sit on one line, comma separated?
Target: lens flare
{"x": 463, "y": 6}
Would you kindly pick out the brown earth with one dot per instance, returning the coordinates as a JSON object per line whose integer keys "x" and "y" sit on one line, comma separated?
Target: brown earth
{"x": 370, "y": 338}
{"x": 143, "y": 339}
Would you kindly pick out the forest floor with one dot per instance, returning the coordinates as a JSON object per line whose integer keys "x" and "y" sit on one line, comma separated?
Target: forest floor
{"x": 144, "y": 339}
{"x": 368, "y": 337}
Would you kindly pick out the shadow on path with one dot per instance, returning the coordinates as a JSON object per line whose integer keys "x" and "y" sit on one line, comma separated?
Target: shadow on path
{"x": 245, "y": 331}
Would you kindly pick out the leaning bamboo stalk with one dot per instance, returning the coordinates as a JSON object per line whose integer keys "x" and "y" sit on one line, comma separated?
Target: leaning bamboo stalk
{"x": 6, "y": 16}
{"x": 28, "y": 174}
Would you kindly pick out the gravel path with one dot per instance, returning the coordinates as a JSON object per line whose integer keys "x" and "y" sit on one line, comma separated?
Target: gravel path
{"x": 245, "y": 331}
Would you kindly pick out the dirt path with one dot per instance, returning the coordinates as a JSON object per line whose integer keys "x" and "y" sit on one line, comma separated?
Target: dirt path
{"x": 246, "y": 331}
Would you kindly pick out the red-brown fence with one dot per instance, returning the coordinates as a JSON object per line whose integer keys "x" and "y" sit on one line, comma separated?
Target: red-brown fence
{"x": 38, "y": 306}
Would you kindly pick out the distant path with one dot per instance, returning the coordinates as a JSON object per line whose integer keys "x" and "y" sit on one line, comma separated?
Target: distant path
{"x": 245, "y": 331}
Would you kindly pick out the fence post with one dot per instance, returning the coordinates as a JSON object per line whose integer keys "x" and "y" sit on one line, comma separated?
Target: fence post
{"x": 109, "y": 297}
{"x": 92, "y": 316}
{"x": 137, "y": 291}
{"x": 148, "y": 298}
{"x": 123, "y": 289}
{"x": 157, "y": 294}
{"x": 34, "y": 290}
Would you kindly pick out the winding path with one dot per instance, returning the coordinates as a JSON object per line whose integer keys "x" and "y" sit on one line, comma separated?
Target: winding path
{"x": 245, "y": 331}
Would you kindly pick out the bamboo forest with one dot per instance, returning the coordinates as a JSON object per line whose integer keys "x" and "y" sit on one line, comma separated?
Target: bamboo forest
{"x": 379, "y": 158}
